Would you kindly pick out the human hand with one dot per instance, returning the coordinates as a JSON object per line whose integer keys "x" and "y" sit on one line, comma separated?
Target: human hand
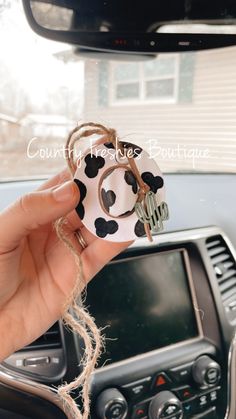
{"x": 37, "y": 271}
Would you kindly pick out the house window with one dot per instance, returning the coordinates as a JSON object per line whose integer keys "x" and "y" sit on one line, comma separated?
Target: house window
{"x": 149, "y": 81}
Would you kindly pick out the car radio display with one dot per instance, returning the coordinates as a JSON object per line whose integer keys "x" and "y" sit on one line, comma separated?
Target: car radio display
{"x": 144, "y": 303}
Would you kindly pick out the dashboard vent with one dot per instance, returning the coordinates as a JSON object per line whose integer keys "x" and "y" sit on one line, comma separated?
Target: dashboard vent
{"x": 224, "y": 266}
{"x": 49, "y": 340}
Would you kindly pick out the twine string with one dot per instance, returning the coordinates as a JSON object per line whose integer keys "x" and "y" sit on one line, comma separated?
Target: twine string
{"x": 75, "y": 315}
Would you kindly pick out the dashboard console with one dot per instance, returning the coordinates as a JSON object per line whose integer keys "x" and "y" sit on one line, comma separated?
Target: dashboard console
{"x": 169, "y": 313}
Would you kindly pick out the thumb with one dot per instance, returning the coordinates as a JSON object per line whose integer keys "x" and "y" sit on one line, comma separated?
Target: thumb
{"x": 34, "y": 210}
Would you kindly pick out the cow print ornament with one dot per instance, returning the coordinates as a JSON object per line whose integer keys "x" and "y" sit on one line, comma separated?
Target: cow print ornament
{"x": 83, "y": 191}
{"x": 93, "y": 164}
{"x": 130, "y": 180}
{"x": 118, "y": 192}
{"x": 109, "y": 191}
{"x": 104, "y": 227}
{"x": 108, "y": 198}
{"x": 154, "y": 182}
{"x": 139, "y": 229}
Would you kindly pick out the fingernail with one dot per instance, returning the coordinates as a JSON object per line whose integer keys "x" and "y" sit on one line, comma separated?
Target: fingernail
{"x": 64, "y": 192}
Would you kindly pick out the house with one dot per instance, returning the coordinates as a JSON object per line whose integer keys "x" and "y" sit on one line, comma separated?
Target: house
{"x": 183, "y": 106}
{"x": 52, "y": 127}
{"x": 9, "y": 128}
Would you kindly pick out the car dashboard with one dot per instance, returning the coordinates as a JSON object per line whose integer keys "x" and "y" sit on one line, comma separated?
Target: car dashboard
{"x": 168, "y": 311}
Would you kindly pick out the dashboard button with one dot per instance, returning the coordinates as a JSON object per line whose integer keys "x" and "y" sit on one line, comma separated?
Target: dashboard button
{"x": 185, "y": 393}
{"x": 140, "y": 411}
{"x": 214, "y": 395}
{"x": 137, "y": 388}
{"x": 205, "y": 401}
{"x": 213, "y": 375}
{"x": 111, "y": 404}
{"x": 160, "y": 381}
{"x": 189, "y": 407}
{"x": 165, "y": 405}
{"x": 33, "y": 362}
{"x": 116, "y": 411}
{"x": 208, "y": 399}
{"x": 181, "y": 374}
{"x": 206, "y": 372}
{"x": 171, "y": 409}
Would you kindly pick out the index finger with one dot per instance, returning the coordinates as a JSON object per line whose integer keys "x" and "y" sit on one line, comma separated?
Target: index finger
{"x": 59, "y": 178}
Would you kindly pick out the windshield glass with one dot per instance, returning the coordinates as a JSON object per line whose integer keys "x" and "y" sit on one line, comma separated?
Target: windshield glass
{"x": 181, "y": 107}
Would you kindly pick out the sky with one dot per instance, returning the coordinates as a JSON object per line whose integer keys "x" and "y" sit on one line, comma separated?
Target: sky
{"x": 31, "y": 59}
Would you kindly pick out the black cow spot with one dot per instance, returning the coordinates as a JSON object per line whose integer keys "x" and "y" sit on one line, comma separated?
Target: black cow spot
{"x": 109, "y": 145}
{"x": 104, "y": 227}
{"x": 130, "y": 179}
{"x": 135, "y": 149}
{"x": 139, "y": 229}
{"x": 154, "y": 182}
{"x": 83, "y": 191}
{"x": 93, "y": 164}
{"x": 108, "y": 198}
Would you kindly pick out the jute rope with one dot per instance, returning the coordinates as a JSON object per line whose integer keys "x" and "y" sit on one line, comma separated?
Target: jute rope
{"x": 75, "y": 315}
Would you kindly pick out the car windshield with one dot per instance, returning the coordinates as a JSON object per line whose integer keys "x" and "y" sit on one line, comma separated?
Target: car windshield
{"x": 179, "y": 107}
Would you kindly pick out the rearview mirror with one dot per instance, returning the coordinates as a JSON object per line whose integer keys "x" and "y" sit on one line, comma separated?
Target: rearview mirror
{"x": 126, "y": 26}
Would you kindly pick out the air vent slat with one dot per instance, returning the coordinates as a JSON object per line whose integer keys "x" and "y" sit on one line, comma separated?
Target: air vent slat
{"x": 228, "y": 295}
{"x": 212, "y": 244}
{"x": 224, "y": 266}
{"x": 49, "y": 340}
{"x": 230, "y": 264}
{"x": 227, "y": 275}
{"x": 220, "y": 258}
{"x": 216, "y": 250}
{"x": 227, "y": 285}
{"x": 231, "y": 302}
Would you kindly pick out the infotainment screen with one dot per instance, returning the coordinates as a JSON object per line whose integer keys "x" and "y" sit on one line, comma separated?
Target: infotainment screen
{"x": 145, "y": 302}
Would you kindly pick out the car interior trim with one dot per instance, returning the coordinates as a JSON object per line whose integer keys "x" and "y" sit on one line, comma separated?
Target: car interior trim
{"x": 21, "y": 383}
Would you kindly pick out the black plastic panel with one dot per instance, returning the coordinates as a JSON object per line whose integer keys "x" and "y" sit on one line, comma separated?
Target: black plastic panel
{"x": 27, "y": 405}
{"x": 6, "y": 414}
